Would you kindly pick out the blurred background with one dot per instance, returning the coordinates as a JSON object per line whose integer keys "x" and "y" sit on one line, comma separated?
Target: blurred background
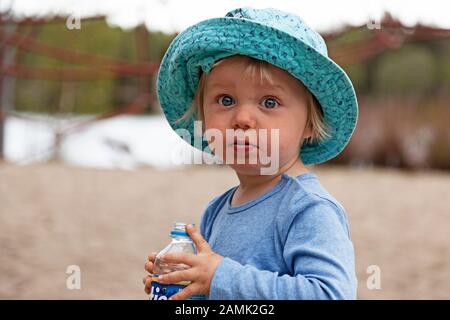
{"x": 88, "y": 172}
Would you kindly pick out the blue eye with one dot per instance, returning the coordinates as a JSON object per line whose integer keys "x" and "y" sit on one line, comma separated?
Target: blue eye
{"x": 270, "y": 103}
{"x": 226, "y": 101}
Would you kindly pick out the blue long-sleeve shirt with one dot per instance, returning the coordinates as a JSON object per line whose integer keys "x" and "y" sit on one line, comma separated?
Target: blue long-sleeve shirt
{"x": 291, "y": 242}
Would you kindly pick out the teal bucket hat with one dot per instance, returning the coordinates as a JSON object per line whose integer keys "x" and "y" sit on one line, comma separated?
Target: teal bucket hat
{"x": 280, "y": 38}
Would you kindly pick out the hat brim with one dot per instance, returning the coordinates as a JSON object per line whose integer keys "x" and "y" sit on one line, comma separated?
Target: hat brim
{"x": 201, "y": 45}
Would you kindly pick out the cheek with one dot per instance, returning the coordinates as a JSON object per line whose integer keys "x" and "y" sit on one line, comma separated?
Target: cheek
{"x": 211, "y": 119}
{"x": 215, "y": 122}
{"x": 294, "y": 127}
{"x": 215, "y": 131}
{"x": 288, "y": 141}
{"x": 214, "y": 128}
{"x": 291, "y": 136}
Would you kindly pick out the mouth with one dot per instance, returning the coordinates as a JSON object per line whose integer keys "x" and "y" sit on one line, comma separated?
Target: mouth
{"x": 243, "y": 146}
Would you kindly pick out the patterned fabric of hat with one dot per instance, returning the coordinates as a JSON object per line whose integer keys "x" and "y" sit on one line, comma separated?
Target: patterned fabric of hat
{"x": 278, "y": 37}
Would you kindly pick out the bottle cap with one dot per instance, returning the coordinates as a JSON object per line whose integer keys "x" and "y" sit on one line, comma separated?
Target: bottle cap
{"x": 179, "y": 230}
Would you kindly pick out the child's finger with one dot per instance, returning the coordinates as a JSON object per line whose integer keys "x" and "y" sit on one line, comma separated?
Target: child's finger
{"x": 152, "y": 256}
{"x": 179, "y": 257}
{"x": 187, "y": 292}
{"x": 176, "y": 276}
{"x": 199, "y": 241}
{"x": 146, "y": 279}
{"x": 147, "y": 282}
{"x": 149, "y": 267}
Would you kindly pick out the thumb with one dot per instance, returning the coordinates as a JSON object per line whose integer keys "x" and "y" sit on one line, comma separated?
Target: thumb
{"x": 200, "y": 242}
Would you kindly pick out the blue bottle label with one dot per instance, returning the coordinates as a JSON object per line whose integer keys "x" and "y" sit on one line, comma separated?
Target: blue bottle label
{"x": 160, "y": 291}
{"x": 164, "y": 291}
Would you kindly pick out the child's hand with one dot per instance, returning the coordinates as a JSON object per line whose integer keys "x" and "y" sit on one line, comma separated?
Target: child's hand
{"x": 149, "y": 267}
{"x": 203, "y": 265}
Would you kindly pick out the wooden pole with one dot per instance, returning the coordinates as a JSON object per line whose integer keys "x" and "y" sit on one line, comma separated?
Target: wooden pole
{"x": 7, "y": 84}
{"x": 143, "y": 55}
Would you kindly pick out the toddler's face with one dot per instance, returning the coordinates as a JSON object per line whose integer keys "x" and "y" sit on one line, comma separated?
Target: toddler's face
{"x": 232, "y": 101}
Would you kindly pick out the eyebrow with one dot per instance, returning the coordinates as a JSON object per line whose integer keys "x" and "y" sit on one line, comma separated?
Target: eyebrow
{"x": 218, "y": 84}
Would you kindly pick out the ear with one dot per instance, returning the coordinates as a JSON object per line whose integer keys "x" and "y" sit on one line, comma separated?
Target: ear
{"x": 308, "y": 132}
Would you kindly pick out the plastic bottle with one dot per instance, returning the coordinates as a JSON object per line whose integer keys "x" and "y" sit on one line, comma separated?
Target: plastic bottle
{"x": 181, "y": 242}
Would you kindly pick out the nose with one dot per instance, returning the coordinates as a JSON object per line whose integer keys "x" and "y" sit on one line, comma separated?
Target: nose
{"x": 244, "y": 117}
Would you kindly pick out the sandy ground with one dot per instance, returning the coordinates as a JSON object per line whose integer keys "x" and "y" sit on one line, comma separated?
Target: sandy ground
{"x": 53, "y": 216}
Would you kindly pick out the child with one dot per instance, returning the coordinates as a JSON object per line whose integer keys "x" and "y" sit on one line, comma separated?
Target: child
{"x": 279, "y": 235}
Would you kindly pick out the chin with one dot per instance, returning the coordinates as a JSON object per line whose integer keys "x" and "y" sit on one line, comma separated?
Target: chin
{"x": 248, "y": 169}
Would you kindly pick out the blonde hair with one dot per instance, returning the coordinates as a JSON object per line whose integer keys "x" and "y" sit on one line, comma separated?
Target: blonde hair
{"x": 315, "y": 119}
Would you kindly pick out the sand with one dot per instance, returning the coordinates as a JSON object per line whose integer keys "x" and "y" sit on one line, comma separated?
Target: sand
{"x": 53, "y": 216}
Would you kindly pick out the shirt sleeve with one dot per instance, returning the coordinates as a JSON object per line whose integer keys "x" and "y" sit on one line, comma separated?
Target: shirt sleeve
{"x": 319, "y": 253}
